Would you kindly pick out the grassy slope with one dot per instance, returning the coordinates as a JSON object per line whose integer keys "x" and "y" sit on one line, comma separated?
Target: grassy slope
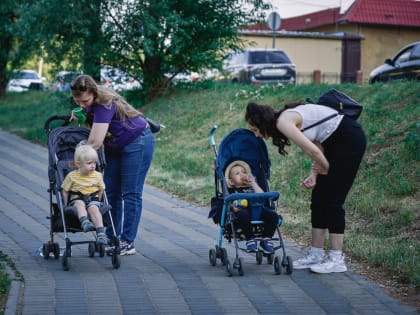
{"x": 382, "y": 208}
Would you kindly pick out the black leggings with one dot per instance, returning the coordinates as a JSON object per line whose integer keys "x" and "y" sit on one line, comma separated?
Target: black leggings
{"x": 344, "y": 150}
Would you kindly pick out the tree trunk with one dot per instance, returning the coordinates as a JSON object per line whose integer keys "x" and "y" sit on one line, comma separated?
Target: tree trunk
{"x": 93, "y": 42}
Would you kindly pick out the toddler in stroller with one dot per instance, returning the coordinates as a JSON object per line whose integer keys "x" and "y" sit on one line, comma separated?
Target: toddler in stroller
{"x": 239, "y": 179}
{"x": 67, "y": 211}
{"x": 245, "y": 214}
{"x": 83, "y": 189}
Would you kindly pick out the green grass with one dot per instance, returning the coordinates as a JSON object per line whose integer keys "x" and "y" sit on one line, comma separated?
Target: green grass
{"x": 382, "y": 207}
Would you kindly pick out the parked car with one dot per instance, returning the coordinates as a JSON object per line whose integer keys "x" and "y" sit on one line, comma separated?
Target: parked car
{"x": 63, "y": 80}
{"x": 405, "y": 65}
{"x": 24, "y": 80}
{"x": 118, "y": 79}
{"x": 257, "y": 66}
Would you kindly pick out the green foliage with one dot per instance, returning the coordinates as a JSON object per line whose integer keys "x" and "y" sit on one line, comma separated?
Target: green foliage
{"x": 382, "y": 207}
{"x": 147, "y": 39}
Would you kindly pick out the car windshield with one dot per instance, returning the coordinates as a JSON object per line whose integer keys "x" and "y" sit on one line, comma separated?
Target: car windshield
{"x": 269, "y": 57}
{"x": 26, "y": 75}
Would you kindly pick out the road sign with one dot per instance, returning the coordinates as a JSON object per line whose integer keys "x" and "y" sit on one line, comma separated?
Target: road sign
{"x": 274, "y": 21}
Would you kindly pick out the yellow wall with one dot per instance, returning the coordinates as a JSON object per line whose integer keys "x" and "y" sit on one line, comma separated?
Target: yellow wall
{"x": 380, "y": 42}
{"x": 308, "y": 54}
{"x": 311, "y": 54}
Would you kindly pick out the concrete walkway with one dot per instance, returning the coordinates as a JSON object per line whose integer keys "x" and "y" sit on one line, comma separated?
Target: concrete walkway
{"x": 170, "y": 274}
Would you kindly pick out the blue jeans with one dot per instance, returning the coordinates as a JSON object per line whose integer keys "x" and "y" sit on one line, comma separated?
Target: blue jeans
{"x": 124, "y": 177}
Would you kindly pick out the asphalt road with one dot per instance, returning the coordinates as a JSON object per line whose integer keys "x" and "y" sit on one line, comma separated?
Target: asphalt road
{"x": 170, "y": 274}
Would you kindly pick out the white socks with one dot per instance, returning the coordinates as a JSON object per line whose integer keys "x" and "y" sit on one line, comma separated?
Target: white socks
{"x": 335, "y": 254}
{"x": 319, "y": 251}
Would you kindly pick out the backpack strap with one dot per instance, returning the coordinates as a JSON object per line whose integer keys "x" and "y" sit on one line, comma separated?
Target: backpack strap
{"x": 319, "y": 122}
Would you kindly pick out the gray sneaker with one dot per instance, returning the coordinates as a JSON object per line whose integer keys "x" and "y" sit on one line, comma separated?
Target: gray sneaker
{"x": 309, "y": 260}
{"x": 87, "y": 226}
{"x": 127, "y": 248}
{"x": 101, "y": 239}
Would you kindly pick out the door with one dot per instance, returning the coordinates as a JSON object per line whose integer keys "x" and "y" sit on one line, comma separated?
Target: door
{"x": 350, "y": 60}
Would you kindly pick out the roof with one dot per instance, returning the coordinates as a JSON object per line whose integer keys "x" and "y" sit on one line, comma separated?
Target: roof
{"x": 384, "y": 12}
{"x": 375, "y": 12}
{"x": 312, "y": 20}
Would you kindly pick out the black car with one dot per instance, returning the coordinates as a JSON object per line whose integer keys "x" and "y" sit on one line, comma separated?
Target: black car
{"x": 405, "y": 65}
{"x": 259, "y": 66}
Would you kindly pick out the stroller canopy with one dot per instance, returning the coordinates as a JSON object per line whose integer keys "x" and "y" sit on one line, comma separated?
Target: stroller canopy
{"x": 242, "y": 144}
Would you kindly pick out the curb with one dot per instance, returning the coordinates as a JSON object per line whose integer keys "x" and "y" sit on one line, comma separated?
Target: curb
{"x": 15, "y": 293}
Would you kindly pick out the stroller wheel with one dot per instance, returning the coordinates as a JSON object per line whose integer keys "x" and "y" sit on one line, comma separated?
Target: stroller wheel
{"x": 288, "y": 265}
{"x": 270, "y": 259}
{"x": 229, "y": 267}
{"x": 101, "y": 250}
{"x": 65, "y": 262}
{"x": 91, "y": 249}
{"x": 46, "y": 250}
{"x": 277, "y": 265}
{"x": 259, "y": 257}
{"x": 56, "y": 250}
{"x": 224, "y": 256}
{"x": 212, "y": 257}
{"x": 240, "y": 267}
{"x": 116, "y": 260}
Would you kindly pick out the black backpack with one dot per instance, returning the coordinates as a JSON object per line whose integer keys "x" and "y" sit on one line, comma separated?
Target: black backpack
{"x": 342, "y": 103}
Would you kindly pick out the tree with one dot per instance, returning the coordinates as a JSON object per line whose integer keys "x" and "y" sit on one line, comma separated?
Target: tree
{"x": 146, "y": 39}
{"x": 69, "y": 33}
{"x": 15, "y": 49}
{"x": 149, "y": 39}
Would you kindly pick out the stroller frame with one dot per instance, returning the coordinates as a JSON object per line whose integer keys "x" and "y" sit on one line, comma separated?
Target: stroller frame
{"x": 62, "y": 218}
{"x": 227, "y": 229}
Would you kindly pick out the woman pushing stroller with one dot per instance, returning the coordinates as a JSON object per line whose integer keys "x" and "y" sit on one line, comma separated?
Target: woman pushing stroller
{"x": 129, "y": 146}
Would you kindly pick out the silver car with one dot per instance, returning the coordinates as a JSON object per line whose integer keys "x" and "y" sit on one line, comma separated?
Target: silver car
{"x": 259, "y": 66}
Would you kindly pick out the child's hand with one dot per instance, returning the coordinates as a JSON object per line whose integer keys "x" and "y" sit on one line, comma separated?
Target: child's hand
{"x": 236, "y": 209}
{"x": 73, "y": 116}
{"x": 309, "y": 182}
{"x": 248, "y": 179}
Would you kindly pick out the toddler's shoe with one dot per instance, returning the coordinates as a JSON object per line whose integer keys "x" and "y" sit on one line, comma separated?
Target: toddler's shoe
{"x": 267, "y": 246}
{"x": 101, "y": 238}
{"x": 251, "y": 245}
{"x": 87, "y": 226}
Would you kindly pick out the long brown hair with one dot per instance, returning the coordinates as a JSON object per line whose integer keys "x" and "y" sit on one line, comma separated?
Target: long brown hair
{"x": 103, "y": 96}
{"x": 264, "y": 117}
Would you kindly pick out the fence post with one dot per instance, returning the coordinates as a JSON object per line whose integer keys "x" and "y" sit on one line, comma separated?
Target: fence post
{"x": 317, "y": 76}
{"x": 359, "y": 77}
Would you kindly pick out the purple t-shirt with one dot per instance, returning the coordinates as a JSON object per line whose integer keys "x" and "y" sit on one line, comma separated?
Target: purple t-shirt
{"x": 120, "y": 132}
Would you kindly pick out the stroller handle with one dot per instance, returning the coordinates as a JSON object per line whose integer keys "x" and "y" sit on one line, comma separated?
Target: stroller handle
{"x": 64, "y": 118}
{"x": 212, "y": 141}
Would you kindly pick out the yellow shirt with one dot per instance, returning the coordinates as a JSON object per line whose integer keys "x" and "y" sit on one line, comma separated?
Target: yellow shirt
{"x": 85, "y": 184}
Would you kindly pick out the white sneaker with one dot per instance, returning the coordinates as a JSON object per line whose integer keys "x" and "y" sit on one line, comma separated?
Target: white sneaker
{"x": 329, "y": 265}
{"x": 309, "y": 260}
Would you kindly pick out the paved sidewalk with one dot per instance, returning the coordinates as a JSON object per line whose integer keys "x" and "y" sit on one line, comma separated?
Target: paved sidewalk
{"x": 170, "y": 274}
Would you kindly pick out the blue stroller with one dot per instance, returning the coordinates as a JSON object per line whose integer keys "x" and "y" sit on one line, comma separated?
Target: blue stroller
{"x": 241, "y": 144}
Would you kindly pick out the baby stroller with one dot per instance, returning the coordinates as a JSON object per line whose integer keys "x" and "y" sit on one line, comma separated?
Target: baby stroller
{"x": 241, "y": 144}
{"x": 62, "y": 142}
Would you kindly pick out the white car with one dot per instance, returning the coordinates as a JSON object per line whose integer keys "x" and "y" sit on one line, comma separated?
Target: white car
{"x": 24, "y": 80}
